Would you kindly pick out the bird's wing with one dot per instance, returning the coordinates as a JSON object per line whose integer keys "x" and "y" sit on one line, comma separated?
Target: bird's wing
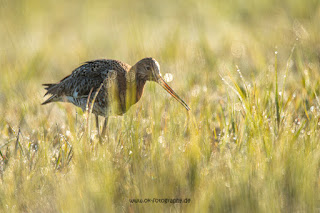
{"x": 83, "y": 79}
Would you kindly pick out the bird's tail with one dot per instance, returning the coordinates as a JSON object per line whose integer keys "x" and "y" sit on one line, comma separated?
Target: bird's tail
{"x": 51, "y": 89}
{"x": 53, "y": 98}
{"x": 48, "y": 86}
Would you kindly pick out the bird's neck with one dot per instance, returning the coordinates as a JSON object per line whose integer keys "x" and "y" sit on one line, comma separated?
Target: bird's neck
{"x": 135, "y": 85}
{"x": 139, "y": 87}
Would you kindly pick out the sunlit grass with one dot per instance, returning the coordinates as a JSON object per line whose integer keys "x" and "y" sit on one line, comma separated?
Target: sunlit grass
{"x": 249, "y": 144}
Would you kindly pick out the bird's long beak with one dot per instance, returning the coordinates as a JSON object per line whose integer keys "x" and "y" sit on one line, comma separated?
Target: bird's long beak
{"x": 169, "y": 90}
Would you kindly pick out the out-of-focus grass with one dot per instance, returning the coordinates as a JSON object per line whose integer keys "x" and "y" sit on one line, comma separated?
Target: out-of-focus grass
{"x": 232, "y": 152}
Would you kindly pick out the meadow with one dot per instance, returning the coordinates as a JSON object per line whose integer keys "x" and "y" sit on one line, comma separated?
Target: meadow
{"x": 249, "y": 70}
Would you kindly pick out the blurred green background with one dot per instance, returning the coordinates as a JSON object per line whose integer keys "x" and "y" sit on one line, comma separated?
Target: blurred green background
{"x": 249, "y": 70}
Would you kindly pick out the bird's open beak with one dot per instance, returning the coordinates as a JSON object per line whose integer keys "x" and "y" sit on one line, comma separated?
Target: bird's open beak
{"x": 169, "y": 90}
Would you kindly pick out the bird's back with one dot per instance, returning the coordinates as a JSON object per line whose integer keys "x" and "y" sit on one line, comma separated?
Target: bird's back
{"x": 85, "y": 81}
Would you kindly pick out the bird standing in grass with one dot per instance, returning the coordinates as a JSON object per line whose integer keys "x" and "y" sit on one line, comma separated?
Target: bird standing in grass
{"x": 110, "y": 85}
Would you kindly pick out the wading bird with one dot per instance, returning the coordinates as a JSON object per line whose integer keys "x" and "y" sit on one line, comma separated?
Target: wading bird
{"x": 111, "y": 85}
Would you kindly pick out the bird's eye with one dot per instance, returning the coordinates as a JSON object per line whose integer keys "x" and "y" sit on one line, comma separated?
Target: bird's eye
{"x": 148, "y": 68}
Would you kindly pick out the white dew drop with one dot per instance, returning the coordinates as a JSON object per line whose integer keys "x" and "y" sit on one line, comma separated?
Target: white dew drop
{"x": 160, "y": 139}
{"x": 294, "y": 95}
{"x": 168, "y": 77}
{"x": 205, "y": 89}
{"x": 312, "y": 108}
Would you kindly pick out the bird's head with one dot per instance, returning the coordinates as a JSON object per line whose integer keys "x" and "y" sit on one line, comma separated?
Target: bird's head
{"x": 149, "y": 69}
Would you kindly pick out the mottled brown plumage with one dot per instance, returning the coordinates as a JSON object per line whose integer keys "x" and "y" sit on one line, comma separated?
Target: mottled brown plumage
{"x": 116, "y": 86}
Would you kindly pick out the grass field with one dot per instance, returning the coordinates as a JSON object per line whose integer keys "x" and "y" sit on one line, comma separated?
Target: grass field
{"x": 249, "y": 70}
